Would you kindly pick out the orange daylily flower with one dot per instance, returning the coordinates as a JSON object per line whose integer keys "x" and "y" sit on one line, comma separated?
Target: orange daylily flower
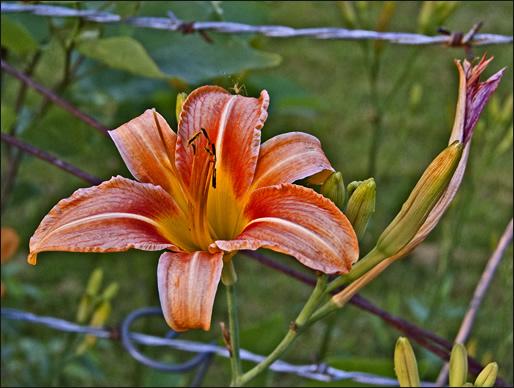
{"x": 202, "y": 194}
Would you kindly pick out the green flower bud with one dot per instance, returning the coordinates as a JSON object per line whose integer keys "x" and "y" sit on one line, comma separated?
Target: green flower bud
{"x": 95, "y": 281}
{"x": 333, "y": 189}
{"x": 458, "y": 366}
{"x": 405, "y": 364}
{"x": 100, "y": 315}
{"x": 348, "y": 14}
{"x": 421, "y": 201}
{"x": 487, "y": 377}
{"x": 181, "y": 97}
{"x": 351, "y": 187}
{"x": 415, "y": 94}
{"x": 110, "y": 291}
{"x": 425, "y": 17}
{"x": 84, "y": 310}
{"x": 361, "y": 206}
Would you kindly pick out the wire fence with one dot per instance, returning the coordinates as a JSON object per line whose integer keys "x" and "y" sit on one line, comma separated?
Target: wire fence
{"x": 129, "y": 339}
{"x": 205, "y": 352}
{"x": 172, "y": 23}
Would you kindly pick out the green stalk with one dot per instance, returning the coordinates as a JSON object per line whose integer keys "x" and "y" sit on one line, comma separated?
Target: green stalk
{"x": 360, "y": 268}
{"x": 235, "y": 358}
{"x": 296, "y": 328}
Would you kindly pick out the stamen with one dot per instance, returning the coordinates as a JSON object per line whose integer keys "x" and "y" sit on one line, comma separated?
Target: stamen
{"x": 202, "y": 176}
{"x": 193, "y": 138}
{"x": 214, "y": 168}
{"x": 206, "y": 136}
{"x": 214, "y": 178}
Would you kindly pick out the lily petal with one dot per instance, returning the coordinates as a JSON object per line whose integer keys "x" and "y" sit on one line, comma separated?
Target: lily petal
{"x": 115, "y": 216}
{"x": 187, "y": 286}
{"x": 148, "y": 151}
{"x": 473, "y": 95}
{"x": 300, "y": 222}
{"x": 233, "y": 124}
{"x": 289, "y": 157}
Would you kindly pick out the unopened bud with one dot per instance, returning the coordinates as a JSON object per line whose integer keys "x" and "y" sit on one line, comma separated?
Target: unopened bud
{"x": 415, "y": 94}
{"x": 181, "y": 97}
{"x": 405, "y": 364}
{"x": 421, "y": 201}
{"x": 110, "y": 291}
{"x": 361, "y": 206}
{"x": 458, "y": 366}
{"x": 425, "y": 17}
{"x": 351, "y": 187}
{"x": 95, "y": 281}
{"x": 100, "y": 315}
{"x": 84, "y": 310}
{"x": 487, "y": 377}
{"x": 348, "y": 14}
{"x": 333, "y": 189}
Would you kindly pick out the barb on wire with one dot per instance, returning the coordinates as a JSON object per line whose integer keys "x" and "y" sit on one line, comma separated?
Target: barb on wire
{"x": 172, "y": 23}
{"x": 325, "y": 373}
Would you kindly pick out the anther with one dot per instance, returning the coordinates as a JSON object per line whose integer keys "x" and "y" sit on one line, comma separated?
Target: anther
{"x": 193, "y": 138}
{"x": 205, "y": 134}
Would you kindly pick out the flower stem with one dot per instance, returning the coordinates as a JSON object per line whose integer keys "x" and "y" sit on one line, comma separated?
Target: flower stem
{"x": 235, "y": 358}
{"x": 365, "y": 264}
{"x": 295, "y": 329}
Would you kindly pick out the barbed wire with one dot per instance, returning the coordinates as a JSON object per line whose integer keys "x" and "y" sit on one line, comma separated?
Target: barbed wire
{"x": 319, "y": 372}
{"x": 172, "y": 23}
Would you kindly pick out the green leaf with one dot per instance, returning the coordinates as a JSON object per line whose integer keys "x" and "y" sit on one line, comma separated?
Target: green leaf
{"x": 16, "y": 37}
{"x": 193, "y": 59}
{"x": 122, "y": 53}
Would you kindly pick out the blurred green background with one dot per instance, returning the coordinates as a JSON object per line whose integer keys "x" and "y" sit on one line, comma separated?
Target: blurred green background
{"x": 379, "y": 110}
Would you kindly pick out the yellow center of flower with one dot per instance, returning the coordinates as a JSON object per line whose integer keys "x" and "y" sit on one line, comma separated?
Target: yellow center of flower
{"x": 203, "y": 175}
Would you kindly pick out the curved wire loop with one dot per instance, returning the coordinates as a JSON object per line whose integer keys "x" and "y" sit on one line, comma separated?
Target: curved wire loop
{"x": 128, "y": 344}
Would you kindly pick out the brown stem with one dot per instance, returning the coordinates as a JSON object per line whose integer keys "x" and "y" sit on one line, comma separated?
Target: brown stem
{"x": 55, "y": 99}
{"x": 51, "y": 159}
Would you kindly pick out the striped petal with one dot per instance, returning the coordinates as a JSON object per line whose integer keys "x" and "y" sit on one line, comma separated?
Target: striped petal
{"x": 473, "y": 95}
{"x": 148, "y": 150}
{"x": 300, "y": 222}
{"x": 289, "y": 157}
{"x": 115, "y": 216}
{"x": 187, "y": 286}
{"x": 233, "y": 124}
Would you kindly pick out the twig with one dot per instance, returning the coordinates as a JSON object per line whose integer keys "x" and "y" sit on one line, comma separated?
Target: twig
{"x": 50, "y": 159}
{"x": 172, "y": 23}
{"x": 55, "y": 98}
{"x": 478, "y": 296}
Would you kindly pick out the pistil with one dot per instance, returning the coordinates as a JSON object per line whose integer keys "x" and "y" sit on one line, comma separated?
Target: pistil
{"x": 203, "y": 175}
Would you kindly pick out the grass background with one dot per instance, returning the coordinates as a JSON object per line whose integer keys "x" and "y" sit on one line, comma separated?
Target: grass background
{"x": 320, "y": 87}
